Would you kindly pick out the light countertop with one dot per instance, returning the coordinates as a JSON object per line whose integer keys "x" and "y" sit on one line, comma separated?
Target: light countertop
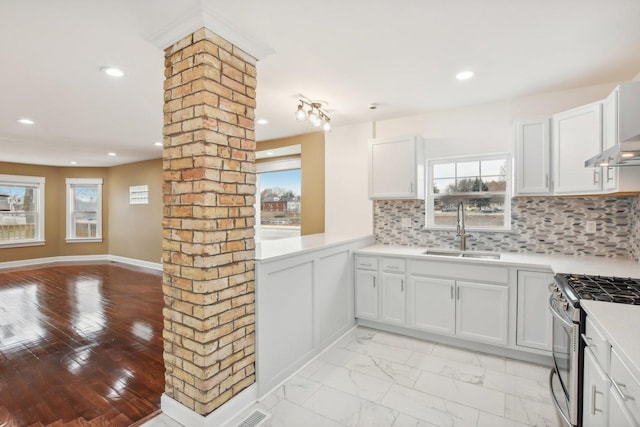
{"x": 619, "y": 322}
{"x": 557, "y": 263}
{"x": 273, "y": 249}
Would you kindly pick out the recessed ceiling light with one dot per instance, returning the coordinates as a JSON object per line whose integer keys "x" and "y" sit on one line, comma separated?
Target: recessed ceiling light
{"x": 464, "y": 75}
{"x": 73, "y": 162}
{"x": 269, "y": 153}
{"x": 158, "y": 144}
{"x": 112, "y": 71}
{"x": 112, "y": 154}
{"x": 262, "y": 121}
{"x": 627, "y": 155}
{"x": 25, "y": 121}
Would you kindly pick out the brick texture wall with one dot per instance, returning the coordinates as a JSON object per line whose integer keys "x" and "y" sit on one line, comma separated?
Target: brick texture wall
{"x": 208, "y": 245}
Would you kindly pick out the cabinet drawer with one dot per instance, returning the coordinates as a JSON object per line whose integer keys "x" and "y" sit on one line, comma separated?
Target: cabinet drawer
{"x": 624, "y": 382}
{"x": 396, "y": 265}
{"x": 597, "y": 343}
{"x": 460, "y": 271}
{"x": 366, "y": 262}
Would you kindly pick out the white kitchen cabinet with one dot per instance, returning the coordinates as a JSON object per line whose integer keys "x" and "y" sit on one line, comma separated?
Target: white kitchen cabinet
{"x": 393, "y": 298}
{"x": 393, "y": 301}
{"x": 397, "y": 168}
{"x": 595, "y": 392}
{"x": 532, "y": 157}
{"x": 625, "y": 385}
{"x": 432, "y": 306}
{"x": 366, "y": 294}
{"x": 610, "y": 138}
{"x": 482, "y": 312}
{"x": 577, "y": 136}
{"x": 534, "y": 324}
{"x": 619, "y": 415}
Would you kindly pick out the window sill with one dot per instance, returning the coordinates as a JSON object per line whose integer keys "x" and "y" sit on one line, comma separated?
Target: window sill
{"x": 18, "y": 244}
{"x": 83, "y": 240}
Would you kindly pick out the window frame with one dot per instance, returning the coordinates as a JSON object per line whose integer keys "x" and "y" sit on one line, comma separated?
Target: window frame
{"x": 508, "y": 192}
{"x": 32, "y": 181}
{"x": 71, "y": 183}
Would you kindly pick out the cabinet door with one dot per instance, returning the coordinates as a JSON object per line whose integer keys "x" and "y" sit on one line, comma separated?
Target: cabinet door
{"x": 366, "y": 294}
{"x": 610, "y": 138}
{"x": 534, "y": 321}
{"x": 432, "y": 305}
{"x": 532, "y": 157}
{"x": 482, "y": 312}
{"x": 618, "y": 415}
{"x": 396, "y": 169}
{"x": 595, "y": 390}
{"x": 393, "y": 298}
{"x": 577, "y": 135}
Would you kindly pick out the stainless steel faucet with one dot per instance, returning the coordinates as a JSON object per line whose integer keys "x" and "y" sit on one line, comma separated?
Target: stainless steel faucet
{"x": 460, "y": 232}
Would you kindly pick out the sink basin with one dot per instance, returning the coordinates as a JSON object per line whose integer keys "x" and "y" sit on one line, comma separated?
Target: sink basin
{"x": 481, "y": 255}
{"x": 460, "y": 254}
{"x": 442, "y": 252}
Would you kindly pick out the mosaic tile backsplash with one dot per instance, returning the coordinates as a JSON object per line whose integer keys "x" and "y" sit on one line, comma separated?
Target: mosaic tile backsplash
{"x": 548, "y": 225}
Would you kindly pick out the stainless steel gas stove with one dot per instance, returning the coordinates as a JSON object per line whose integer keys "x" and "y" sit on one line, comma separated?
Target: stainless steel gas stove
{"x": 565, "y": 380}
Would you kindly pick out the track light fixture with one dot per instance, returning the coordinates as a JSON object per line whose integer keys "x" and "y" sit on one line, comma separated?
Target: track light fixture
{"x": 314, "y": 114}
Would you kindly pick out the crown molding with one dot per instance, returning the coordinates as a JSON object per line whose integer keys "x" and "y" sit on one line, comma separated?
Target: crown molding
{"x": 205, "y": 16}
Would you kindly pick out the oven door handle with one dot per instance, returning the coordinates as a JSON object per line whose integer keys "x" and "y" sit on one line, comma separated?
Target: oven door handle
{"x": 554, "y": 399}
{"x": 557, "y": 314}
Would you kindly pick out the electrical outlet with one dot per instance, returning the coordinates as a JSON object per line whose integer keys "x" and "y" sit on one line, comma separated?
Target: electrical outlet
{"x": 591, "y": 227}
{"x": 406, "y": 222}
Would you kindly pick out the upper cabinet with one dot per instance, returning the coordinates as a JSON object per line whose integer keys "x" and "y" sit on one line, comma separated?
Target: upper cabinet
{"x": 397, "y": 168}
{"x": 577, "y": 135}
{"x": 532, "y": 154}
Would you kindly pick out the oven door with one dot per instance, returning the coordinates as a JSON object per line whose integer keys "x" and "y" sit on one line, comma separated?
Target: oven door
{"x": 564, "y": 391}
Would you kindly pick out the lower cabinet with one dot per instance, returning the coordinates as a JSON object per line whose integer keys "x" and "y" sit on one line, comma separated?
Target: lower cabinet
{"x": 432, "y": 306}
{"x": 534, "y": 324}
{"x": 475, "y": 311}
{"x": 482, "y": 312}
{"x": 595, "y": 393}
{"x": 366, "y": 294}
{"x": 393, "y": 299}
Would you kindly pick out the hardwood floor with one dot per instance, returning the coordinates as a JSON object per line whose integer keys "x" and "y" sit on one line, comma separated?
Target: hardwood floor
{"x": 80, "y": 344}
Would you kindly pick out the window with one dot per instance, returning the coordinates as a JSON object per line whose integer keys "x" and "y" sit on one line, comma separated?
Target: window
{"x": 84, "y": 209}
{"x": 278, "y": 207}
{"x": 21, "y": 210}
{"x": 482, "y": 184}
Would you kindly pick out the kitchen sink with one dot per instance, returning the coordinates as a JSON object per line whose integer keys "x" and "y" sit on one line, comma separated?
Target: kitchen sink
{"x": 462, "y": 254}
{"x": 442, "y": 252}
{"x": 481, "y": 255}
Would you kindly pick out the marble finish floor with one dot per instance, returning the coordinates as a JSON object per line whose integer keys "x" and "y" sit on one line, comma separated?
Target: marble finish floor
{"x": 377, "y": 379}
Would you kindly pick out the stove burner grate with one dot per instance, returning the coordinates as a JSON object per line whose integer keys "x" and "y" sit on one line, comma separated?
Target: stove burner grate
{"x": 600, "y": 288}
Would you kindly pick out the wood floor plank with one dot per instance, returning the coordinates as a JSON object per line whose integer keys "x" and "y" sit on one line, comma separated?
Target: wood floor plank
{"x": 80, "y": 345}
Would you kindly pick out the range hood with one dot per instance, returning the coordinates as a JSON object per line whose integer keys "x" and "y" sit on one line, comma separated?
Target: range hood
{"x": 623, "y": 154}
{"x": 621, "y": 128}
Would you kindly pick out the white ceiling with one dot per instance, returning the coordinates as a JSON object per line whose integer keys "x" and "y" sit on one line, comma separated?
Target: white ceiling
{"x": 401, "y": 54}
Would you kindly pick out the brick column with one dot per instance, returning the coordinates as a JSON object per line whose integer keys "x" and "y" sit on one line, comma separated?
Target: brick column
{"x": 208, "y": 246}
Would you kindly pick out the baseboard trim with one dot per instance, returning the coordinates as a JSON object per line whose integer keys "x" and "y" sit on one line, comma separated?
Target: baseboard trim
{"x": 80, "y": 258}
{"x": 219, "y": 418}
{"x": 136, "y": 262}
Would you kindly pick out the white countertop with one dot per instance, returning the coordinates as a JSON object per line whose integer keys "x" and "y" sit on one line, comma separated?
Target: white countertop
{"x": 619, "y": 322}
{"x": 557, "y": 263}
{"x": 273, "y": 249}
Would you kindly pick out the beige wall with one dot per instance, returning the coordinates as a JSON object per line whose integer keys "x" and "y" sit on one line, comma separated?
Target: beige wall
{"x": 135, "y": 231}
{"x": 138, "y": 237}
{"x": 312, "y": 164}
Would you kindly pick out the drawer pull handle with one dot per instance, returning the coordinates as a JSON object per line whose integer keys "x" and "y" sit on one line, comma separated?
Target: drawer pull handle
{"x": 401, "y": 285}
{"x": 587, "y": 340}
{"x": 619, "y": 390}
{"x": 374, "y": 282}
{"x": 366, "y": 265}
{"x": 594, "y": 391}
